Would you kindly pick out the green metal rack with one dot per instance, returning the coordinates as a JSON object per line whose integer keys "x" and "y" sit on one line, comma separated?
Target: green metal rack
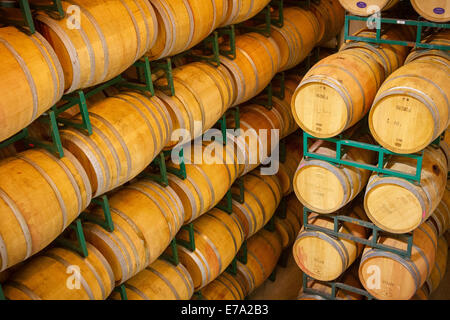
{"x": 338, "y": 220}
{"x": 266, "y": 98}
{"x": 80, "y": 246}
{"x": 122, "y": 290}
{"x": 383, "y": 156}
{"x": 384, "y": 22}
{"x": 2, "y": 294}
{"x": 334, "y": 285}
{"x": 241, "y": 256}
{"x": 107, "y": 222}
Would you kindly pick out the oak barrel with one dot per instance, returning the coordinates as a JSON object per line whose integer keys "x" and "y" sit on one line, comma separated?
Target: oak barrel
{"x": 367, "y": 7}
{"x": 225, "y": 287}
{"x": 399, "y": 206}
{"x": 433, "y": 10}
{"x": 32, "y": 79}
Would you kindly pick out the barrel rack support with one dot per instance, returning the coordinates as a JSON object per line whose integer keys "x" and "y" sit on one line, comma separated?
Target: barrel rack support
{"x": 334, "y": 285}
{"x": 380, "y": 22}
{"x": 383, "y": 156}
{"x": 121, "y": 289}
{"x": 267, "y": 99}
{"x": 54, "y": 9}
{"x": 107, "y": 223}
{"x": 338, "y": 220}
{"x": 2, "y": 294}
{"x": 80, "y": 246}
{"x": 241, "y": 256}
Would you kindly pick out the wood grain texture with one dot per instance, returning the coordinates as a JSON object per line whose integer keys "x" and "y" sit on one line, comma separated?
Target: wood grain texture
{"x": 399, "y": 206}
{"x": 225, "y": 287}
{"x": 32, "y": 79}
{"x": 40, "y": 196}
{"x": 159, "y": 281}
{"x": 48, "y": 276}
{"x": 399, "y": 278}
{"x": 368, "y": 7}
{"x": 242, "y": 10}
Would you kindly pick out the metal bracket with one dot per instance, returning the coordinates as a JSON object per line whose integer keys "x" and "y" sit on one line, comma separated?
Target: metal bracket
{"x": 174, "y": 257}
{"x": 191, "y": 243}
{"x": 241, "y": 256}
{"x": 382, "y": 157}
{"x": 122, "y": 291}
{"x": 266, "y": 98}
{"x": 2, "y": 294}
{"x": 165, "y": 66}
{"x": 339, "y": 219}
{"x": 80, "y": 247}
{"x": 107, "y": 223}
{"x": 334, "y": 286}
{"x": 380, "y": 22}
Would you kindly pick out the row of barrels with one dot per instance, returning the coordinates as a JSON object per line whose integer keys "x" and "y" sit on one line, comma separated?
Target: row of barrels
{"x": 113, "y": 154}
{"x": 407, "y": 105}
{"x": 436, "y": 10}
{"x": 62, "y": 58}
{"x": 394, "y": 204}
{"x": 384, "y": 274}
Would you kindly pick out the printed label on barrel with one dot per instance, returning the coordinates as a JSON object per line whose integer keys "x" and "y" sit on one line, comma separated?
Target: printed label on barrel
{"x": 361, "y": 4}
{"x": 439, "y": 10}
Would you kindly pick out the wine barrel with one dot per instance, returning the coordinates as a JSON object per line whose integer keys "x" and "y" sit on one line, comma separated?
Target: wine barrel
{"x": 202, "y": 95}
{"x": 421, "y": 294}
{"x": 242, "y": 10}
{"x": 225, "y": 287}
{"x": 367, "y": 7}
{"x": 399, "y": 206}
{"x": 433, "y": 10}
{"x": 293, "y": 157}
{"x": 297, "y": 37}
{"x": 253, "y": 143}
{"x": 289, "y": 227}
{"x": 442, "y": 38}
{"x": 324, "y": 257}
{"x": 40, "y": 195}
{"x": 326, "y": 290}
{"x": 262, "y": 195}
{"x": 441, "y": 216}
{"x": 284, "y": 106}
{"x": 159, "y": 281}
{"x": 183, "y": 24}
{"x": 146, "y": 218}
{"x": 440, "y": 266}
{"x": 337, "y": 92}
{"x": 218, "y": 238}
{"x": 91, "y": 49}
{"x": 30, "y": 61}
{"x": 114, "y": 154}
{"x": 263, "y": 251}
{"x": 391, "y": 57}
{"x": 411, "y": 109}
{"x": 331, "y": 17}
{"x": 208, "y": 178}
{"x": 61, "y": 274}
{"x": 326, "y": 188}
{"x": 257, "y": 61}
{"x": 388, "y": 276}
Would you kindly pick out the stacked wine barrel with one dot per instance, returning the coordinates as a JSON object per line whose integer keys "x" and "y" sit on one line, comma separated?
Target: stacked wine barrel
{"x": 406, "y": 98}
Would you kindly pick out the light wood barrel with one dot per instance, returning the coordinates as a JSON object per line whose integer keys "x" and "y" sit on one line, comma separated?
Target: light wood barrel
{"x": 391, "y": 57}
{"x": 399, "y": 278}
{"x": 114, "y": 154}
{"x": 297, "y": 37}
{"x": 263, "y": 251}
{"x": 40, "y": 196}
{"x": 323, "y": 257}
{"x": 257, "y": 61}
{"x": 207, "y": 181}
{"x": 262, "y": 195}
{"x": 225, "y": 287}
{"x": 202, "y": 95}
{"x": 159, "y": 281}
{"x": 348, "y": 279}
{"x": 441, "y": 216}
{"x": 412, "y": 106}
{"x": 289, "y": 227}
{"x": 433, "y": 10}
{"x": 337, "y": 92}
{"x": 252, "y": 142}
{"x": 442, "y": 38}
{"x": 242, "y": 10}
{"x": 440, "y": 266}
{"x": 421, "y": 294}
{"x": 399, "y": 206}
{"x": 30, "y": 61}
{"x": 184, "y": 24}
{"x": 367, "y": 7}
{"x": 326, "y": 188}
{"x": 146, "y": 218}
{"x": 218, "y": 238}
{"x": 293, "y": 157}
{"x": 61, "y": 274}
{"x": 331, "y": 17}
{"x": 96, "y": 50}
